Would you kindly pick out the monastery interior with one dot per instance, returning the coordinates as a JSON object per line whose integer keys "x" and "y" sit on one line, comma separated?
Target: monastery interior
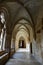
{"x": 21, "y": 32}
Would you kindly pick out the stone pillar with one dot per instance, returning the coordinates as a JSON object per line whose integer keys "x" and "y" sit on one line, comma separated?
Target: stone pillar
{"x": 8, "y": 43}
{"x": 42, "y": 43}
{"x": 0, "y": 31}
{"x": 1, "y": 26}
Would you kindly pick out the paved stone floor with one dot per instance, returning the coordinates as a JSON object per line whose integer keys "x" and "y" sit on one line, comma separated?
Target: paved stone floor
{"x": 22, "y": 58}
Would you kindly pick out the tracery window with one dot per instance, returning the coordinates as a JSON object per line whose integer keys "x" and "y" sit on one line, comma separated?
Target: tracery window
{"x": 3, "y": 31}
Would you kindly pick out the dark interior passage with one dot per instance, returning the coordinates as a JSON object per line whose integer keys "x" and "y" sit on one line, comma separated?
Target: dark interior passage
{"x": 22, "y": 44}
{"x": 31, "y": 48}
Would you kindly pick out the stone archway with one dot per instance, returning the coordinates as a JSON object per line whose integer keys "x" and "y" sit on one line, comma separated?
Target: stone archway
{"x": 22, "y": 43}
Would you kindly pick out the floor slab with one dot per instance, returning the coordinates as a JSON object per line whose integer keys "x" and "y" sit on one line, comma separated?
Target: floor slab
{"x": 22, "y": 58}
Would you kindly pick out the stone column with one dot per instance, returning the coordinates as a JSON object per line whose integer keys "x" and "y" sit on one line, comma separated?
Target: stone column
{"x": 8, "y": 43}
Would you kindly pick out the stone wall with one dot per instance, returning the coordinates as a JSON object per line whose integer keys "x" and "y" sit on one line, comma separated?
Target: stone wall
{"x": 37, "y": 44}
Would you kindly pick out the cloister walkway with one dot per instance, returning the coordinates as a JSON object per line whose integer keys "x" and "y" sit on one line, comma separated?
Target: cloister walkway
{"x": 22, "y": 57}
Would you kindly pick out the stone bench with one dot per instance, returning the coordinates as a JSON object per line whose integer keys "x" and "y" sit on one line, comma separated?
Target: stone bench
{"x": 2, "y": 52}
{"x": 3, "y": 58}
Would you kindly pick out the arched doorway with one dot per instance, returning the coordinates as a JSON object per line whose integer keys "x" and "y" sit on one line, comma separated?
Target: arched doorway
{"x": 22, "y": 44}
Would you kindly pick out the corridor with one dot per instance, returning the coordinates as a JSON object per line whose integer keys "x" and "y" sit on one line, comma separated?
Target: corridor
{"x": 22, "y": 57}
{"x": 21, "y": 32}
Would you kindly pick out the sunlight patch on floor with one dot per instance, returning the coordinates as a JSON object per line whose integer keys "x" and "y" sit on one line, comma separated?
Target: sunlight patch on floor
{"x": 23, "y": 50}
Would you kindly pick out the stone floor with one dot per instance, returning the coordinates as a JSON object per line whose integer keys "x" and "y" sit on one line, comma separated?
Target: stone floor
{"x": 22, "y": 58}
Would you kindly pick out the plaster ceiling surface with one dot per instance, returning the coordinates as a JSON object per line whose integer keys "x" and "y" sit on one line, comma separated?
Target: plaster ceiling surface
{"x": 33, "y": 6}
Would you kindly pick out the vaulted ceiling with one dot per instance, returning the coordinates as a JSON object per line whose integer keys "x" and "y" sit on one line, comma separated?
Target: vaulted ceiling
{"x": 22, "y": 9}
{"x": 32, "y": 6}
